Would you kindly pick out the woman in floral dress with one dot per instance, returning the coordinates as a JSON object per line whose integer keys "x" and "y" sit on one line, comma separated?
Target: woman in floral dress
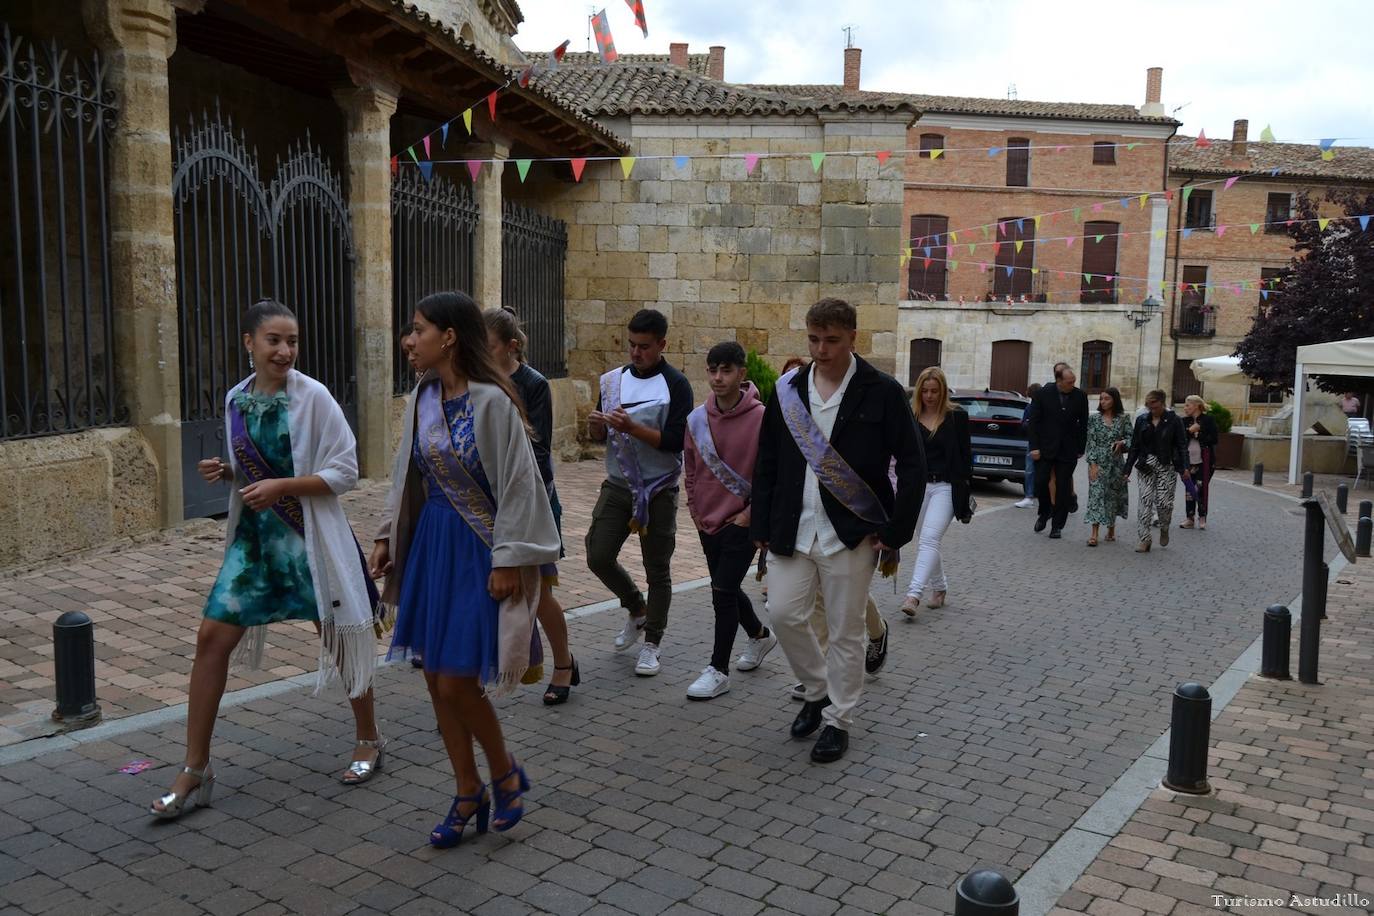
{"x": 1109, "y": 431}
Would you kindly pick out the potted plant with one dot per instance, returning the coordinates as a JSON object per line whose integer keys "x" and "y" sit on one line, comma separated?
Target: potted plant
{"x": 1229, "y": 444}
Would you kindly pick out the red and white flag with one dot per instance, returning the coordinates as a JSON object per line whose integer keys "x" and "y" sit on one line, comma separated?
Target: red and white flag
{"x": 601, "y": 27}
{"x": 637, "y": 7}
{"x": 556, "y": 55}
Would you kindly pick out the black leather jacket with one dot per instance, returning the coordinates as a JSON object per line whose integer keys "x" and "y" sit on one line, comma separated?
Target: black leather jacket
{"x": 1167, "y": 441}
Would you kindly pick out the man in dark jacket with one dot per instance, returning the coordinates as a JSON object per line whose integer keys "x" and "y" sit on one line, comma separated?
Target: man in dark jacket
{"x": 853, "y": 421}
{"x": 1058, "y": 435}
{"x": 1159, "y": 449}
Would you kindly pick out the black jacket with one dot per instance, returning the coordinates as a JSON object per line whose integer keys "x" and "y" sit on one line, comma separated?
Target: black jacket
{"x": 874, "y": 425}
{"x": 957, "y": 467}
{"x": 1058, "y": 432}
{"x": 1168, "y": 442}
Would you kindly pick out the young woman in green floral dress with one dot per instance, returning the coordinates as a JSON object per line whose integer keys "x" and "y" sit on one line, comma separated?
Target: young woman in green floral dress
{"x": 290, "y": 553}
{"x": 1109, "y": 432}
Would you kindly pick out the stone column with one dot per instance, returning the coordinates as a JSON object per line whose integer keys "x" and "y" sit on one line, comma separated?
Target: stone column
{"x": 1154, "y": 363}
{"x": 486, "y": 268}
{"x": 369, "y": 106}
{"x": 136, "y": 38}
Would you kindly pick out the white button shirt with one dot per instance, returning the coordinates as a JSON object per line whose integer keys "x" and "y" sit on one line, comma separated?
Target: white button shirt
{"x": 815, "y": 534}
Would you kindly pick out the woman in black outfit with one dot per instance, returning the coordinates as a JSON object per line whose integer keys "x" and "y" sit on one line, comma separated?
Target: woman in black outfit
{"x": 1202, "y": 459}
{"x": 949, "y": 468}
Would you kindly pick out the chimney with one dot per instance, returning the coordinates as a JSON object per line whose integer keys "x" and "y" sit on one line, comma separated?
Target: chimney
{"x": 677, "y": 54}
{"x": 851, "y": 69}
{"x": 1240, "y": 134}
{"x": 715, "y": 63}
{"x": 1154, "y": 82}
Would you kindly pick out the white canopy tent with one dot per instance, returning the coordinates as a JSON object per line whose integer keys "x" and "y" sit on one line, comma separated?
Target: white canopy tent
{"x": 1339, "y": 357}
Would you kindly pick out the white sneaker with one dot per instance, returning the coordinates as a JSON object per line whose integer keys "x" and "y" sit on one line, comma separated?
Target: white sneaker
{"x": 634, "y": 628}
{"x": 798, "y": 692}
{"x": 1025, "y": 503}
{"x": 647, "y": 666}
{"x": 754, "y": 652}
{"x": 711, "y": 683}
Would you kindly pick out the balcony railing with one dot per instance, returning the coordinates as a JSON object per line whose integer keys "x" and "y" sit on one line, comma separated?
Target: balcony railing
{"x": 1196, "y": 322}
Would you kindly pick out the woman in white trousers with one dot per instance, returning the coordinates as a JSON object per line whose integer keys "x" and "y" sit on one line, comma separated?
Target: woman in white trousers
{"x": 949, "y": 468}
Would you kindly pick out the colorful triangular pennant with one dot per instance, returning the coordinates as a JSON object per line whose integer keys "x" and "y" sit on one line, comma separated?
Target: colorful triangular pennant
{"x": 491, "y": 105}
{"x": 467, "y": 120}
{"x": 1267, "y": 135}
{"x": 579, "y": 164}
{"x": 474, "y": 168}
{"x": 816, "y": 160}
{"x": 751, "y": 160}
{"x": 426, "y": 169}
{"x": 523, "y": 167}
{"x": 883, "y": 156}
{"x": 627, "y": 165}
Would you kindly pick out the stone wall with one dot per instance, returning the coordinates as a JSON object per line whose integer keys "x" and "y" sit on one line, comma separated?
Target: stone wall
{"x": 467, "y": 19}
{"x": 727, "y": 255}
{"x": 64, "y": 493}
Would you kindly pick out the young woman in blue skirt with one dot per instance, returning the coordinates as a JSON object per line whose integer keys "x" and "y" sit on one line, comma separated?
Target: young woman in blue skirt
{"x": 290, "y": 554}
{"x": 466, "y": 528}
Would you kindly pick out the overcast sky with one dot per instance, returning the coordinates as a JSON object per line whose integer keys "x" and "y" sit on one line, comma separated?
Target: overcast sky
{"x": 1305, "y": 68}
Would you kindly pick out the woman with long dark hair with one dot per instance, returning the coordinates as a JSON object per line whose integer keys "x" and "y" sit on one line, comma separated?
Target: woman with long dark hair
{"x": 467, "y": 527}
{"x": 507, "y": 342}
{"x": 1109, "y": 434}
{"x": 289, "y": 552}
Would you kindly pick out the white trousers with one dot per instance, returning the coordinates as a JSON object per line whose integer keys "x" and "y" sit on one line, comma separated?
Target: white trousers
{"x": 843, "y": 579}
{"x": 936, "y": 515}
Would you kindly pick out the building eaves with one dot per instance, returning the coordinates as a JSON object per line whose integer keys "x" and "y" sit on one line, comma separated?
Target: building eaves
{"x": 1293, "y": 160}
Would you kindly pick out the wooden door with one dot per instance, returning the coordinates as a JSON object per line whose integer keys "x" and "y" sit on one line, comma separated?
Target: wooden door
{"x": 1010, "y": 366}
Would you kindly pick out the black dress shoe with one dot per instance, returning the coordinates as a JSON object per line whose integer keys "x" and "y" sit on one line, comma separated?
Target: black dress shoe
{"x": 1041, "y": 522}
{"x": 1073, "y": 504}
{"x": 831, "y": 745}
{"x": 1054, "y": 533}
{"x": 876, "y": 655}
{"x": 809, "y": 719}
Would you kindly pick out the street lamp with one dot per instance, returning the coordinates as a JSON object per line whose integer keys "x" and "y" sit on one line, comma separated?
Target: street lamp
{"x": 1141, "y": 317}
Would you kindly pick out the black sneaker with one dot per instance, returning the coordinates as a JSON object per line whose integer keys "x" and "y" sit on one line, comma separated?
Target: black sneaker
{"x": 876, "y": 655}
{"x": 1041, "y": 522}
{"x": 1054, "y": 534}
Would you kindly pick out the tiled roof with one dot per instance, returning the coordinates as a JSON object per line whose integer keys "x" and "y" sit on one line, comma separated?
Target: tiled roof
{"x": 696, "y": 63}
{"x": 571, "y": 110}
{"x": 1295, "y": 160}
{"x": 632, "y": 87}
{"x": 953, "y": 104}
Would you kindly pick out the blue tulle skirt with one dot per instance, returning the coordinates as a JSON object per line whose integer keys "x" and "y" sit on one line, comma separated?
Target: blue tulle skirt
{"x": 445, "y": 614}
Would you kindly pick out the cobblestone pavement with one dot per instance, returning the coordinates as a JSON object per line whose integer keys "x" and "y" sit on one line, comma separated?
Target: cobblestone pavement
{"x": 999, "y": 719}
{"x": 146, "y": 601}
{"x": 1293, "y": 808}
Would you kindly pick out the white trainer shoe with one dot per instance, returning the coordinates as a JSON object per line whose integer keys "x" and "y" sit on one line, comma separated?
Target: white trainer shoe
{"x": 634, "y": 628}
{"x": 711, "y": 684}
{"x": 647, "y": 666}
{"x": 1025, "y": 503}
{"x": 797, "y": 692}
{"x": 754, "y": 652}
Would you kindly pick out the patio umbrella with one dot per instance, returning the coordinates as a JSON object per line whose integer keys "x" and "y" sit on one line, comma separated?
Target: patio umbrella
{"x": 1224, "y": 370}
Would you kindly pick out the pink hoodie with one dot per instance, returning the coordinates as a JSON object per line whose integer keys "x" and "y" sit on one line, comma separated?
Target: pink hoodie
{"x": 736, "y": 437}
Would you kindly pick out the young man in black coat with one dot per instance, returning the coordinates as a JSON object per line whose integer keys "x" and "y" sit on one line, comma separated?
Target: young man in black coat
{"x": 1058, "y": 434}
{"x": 816, "y": 540}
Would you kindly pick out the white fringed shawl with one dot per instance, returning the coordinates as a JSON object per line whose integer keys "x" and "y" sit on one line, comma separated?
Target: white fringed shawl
{"x": 321, "y": 445}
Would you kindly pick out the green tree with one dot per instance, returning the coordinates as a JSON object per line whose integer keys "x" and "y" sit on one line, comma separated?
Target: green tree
{"x": 761, "y": 374}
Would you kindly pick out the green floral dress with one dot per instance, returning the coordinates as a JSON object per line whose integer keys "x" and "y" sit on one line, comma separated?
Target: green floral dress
{"x": 265, "y": 577}
{"x": 1108, "y": 498}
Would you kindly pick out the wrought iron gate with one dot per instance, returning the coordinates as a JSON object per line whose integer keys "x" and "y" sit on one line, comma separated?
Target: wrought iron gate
{"x": 534, "y": 249}
{"x": 56, "y": 310}
{"x": 433, "y": 232}
{"x": 238, "y": 241}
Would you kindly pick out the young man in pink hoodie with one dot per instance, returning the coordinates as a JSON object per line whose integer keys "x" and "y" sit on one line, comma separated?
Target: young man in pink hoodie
{"x": 719, "y": 451}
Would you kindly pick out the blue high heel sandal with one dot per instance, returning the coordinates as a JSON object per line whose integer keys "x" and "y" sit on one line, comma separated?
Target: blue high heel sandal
{"x": 449, "y": 832}
{"x": 505, "y": 816}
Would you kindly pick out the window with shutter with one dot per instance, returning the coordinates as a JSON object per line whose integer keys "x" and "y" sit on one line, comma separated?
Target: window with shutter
{"x": 1277, "y": 209}
{"x": 1184, "y": 382}
{"x": 929, "y": 143}
{"x": 925, "y": 352}
{"x": 1194, "y": 317}
{"x": 1104, "y": 152}
{"x": 1010, "y": 369}
{"x": 1099, "y": 262}
{"x": 1018, "y": 162}
{"x": 1199, "y": 212}
{"x": 927, "y": 281}
{"x": 1194, "y": 292}
{"x": 1097, "y": 366}
{"x": 1012, "y": 275}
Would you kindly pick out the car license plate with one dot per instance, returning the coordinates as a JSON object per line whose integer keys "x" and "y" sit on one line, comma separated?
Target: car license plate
{"x": 992, "y": 459}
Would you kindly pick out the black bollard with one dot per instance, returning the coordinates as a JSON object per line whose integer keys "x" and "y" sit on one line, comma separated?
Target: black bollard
{"x": 1362, "y": 536}
{"x": 1366, "y": 509}
{"x": 985, "y": 893}
{"x": 1342, "y": 498}
{"x": 73, "y": 652}
{"x": 1189, "y": 733}
{"x": 1310, "y": 627}
{"x": 1259, "y": 474}
{"x": 1306, "y": 484}
{"x": 1278, "y": 632}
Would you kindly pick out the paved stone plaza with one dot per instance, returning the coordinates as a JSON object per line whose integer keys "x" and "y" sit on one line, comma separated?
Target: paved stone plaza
{"x": 999, "y": 721}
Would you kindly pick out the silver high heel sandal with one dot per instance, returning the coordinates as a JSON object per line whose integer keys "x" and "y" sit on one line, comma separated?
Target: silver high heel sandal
{"x": 174, "y": 805}
{"x": 360, "y": 771}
